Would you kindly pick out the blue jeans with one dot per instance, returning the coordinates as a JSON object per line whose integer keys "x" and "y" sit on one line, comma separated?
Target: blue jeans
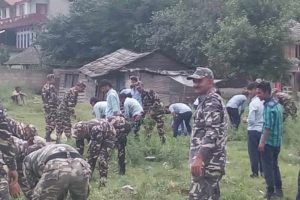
{"x": 186, "y": 117}
{"x": 271, "y": 168}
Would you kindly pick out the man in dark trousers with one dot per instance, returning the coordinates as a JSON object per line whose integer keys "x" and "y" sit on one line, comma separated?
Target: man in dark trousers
{"x": 271, "y": 139}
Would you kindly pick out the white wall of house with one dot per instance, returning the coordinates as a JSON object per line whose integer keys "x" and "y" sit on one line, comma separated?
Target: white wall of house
{"x": 58, "y": 7}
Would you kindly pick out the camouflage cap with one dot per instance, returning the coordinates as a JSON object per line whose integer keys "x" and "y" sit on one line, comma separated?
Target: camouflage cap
{"x": 201, "y": 72}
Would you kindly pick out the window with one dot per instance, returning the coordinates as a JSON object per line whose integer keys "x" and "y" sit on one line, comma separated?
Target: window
{"x": 297, "y": 51}
{"x": 21, "y": 9}
{"x": 71, "y": 80}
{"x": 41, "y": 8}
{"x": 3, "y": 13}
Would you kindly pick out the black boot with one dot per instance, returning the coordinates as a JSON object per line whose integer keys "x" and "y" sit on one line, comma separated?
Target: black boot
{"x": 122, "y": 169}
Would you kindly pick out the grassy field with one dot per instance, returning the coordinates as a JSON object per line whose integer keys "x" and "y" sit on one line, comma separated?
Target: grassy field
{"x": 168, "y": 177}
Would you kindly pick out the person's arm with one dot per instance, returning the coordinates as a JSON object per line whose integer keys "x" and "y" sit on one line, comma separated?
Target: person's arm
{"x": 115, "y": 104}
{"x": 251, "y": 116}
{"x": 126, "y": 111}
{"x": 96, "y": 110}
{"x": 28, "y": 172}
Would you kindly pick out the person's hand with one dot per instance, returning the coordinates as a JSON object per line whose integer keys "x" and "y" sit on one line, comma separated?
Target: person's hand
{"x": 13, "y": 176}
{"x": 14, "y": 190}
{"x": 261, "y": 147}
{"x": 245, "y": 120}
{"x": 197, "y": 167}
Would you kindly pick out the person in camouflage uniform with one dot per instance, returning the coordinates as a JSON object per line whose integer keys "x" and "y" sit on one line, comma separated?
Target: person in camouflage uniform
{"x": 290, "y": 108}
{"x": 82, "y": 131}
{"x": 51, "y": 102}
{"x": 23, "y": 149}
{"x": 208, "y": 140}
{"x": 20, "y": 130}
{"x": 154, "y": 109}
{"x": 103, "y": 140}
{"x": 7, "y": 157}
{"x": 54, "y": 170}
{"x": 66, "y": 110}
{"x": 122, "y": 128}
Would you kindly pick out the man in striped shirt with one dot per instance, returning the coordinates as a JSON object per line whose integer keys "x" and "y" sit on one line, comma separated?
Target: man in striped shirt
{"x": 270, "y": 142}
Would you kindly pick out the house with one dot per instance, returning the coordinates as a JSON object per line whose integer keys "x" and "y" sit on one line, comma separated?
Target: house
{"x": 156, "y": 70}
{"x": 21, "y": 19}
{"x": 292, "y": 52}
{"x": 28, "y": 59}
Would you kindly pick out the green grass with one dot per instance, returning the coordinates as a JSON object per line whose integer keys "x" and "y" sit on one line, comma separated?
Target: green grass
{"x": 168, "y": 177}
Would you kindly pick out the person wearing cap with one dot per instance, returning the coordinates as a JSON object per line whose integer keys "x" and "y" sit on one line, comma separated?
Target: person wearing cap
{"x": 112, "y": 98}
{"x": 99, "y": 107}
{"x": 132, "y": 111}
{"x": 50, "y": 104}
{"x": 66, "y": 110}
{"x": 56, "y": 170}
{"x": 154, "y": 112}
{"x": 208, "y": 139}
{"x": 290, "y": 108}
{"x": 134, "y": 83}
{"x": 8, "y": 181}
{"x": 235, "y": 108}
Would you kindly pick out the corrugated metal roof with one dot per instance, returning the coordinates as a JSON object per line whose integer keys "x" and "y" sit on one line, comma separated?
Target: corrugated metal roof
{"x": 111, "y": 62}
{"x": 29, "y": 56}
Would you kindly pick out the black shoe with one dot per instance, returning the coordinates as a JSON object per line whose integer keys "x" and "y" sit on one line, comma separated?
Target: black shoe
{"x": 269, "y": 196}
{"x": 254, "y": 176}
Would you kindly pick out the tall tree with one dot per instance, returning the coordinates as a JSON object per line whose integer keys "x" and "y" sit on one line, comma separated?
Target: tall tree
{"x": 94, "y": 28}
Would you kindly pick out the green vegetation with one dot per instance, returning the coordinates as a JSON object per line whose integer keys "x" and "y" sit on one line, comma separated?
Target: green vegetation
{"x": 167, "y": 178}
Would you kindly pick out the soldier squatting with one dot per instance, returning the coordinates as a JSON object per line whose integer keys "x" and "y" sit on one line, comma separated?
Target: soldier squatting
{"x": 54, "y": 171}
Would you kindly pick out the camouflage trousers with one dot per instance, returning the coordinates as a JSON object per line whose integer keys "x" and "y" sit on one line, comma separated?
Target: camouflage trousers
{"x": 4, "y": 188}
{"x": 290, "y": 109}
{"x": 103, "y": 152}
{"x": 80, "y": 145}
{"x": 121, "y": 146}
{"x": 23, "y": 184}
{"x": 63, "y": 176}
{"x": 63, "y": 124}
{"x": 136, "y": 126}
{"x": 150, "y": 121}
{"x": 50, "y": 118}
{"x": 205, "y": 187}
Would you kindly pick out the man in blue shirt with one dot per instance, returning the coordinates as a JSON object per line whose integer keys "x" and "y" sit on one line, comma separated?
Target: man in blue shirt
{"x": 99, "y": 107}
{"x": 270, "y": 142}
{"x": 112, "y": 99}
{"x": 235, "y": 108}
{"x": 255, "y": 122}
{"x": 181, "y": 112}
{"x": 132, "y": 111}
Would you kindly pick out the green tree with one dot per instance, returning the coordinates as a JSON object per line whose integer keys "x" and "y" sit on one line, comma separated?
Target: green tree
{"x": 4, "y": 55}
{"x": 94, "y": 28}
{"x": 250, "y": 40}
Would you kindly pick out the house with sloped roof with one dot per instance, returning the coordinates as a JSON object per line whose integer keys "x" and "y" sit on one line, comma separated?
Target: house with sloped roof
{"x": 155, "y": 69}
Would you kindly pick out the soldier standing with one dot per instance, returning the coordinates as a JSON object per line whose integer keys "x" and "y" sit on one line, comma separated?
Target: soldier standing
{"x": 7, "y": 149}
{"x": 54, "y": 170}
{"x": 66, "y": 110}
{"x": 290, "y": 108}
{"x": 208, "y": 140}
{"x": 103, "y": 139}
{"x": 154, "y": 108}
{"x": 51, "y": 102}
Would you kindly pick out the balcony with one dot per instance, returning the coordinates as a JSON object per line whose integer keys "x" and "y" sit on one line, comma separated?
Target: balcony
{"x": 21, "y": 21}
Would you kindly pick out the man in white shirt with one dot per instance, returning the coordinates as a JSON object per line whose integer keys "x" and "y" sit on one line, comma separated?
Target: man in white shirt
{"x": 181, "y": 112}
{"x": 255, "y": 126}
{"x": 235, "y": 108}
{"x": 99, "y": 107}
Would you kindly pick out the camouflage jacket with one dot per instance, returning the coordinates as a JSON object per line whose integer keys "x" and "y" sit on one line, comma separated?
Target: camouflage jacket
{"x": 83, "y": 130}
{"x": 21, "y": 130}
{"x": 34, "y": 164}
{"x": 209, "y": 135}
{"x": 150, "y": 101}
{"x": 102, "y": 134}
{"x": 290, "y": 108}
{"x": 69, "y": 101}
{"x": 121, "y": 126}
{"x": 7, "y": 147}
{"x": 49, "y": 97}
